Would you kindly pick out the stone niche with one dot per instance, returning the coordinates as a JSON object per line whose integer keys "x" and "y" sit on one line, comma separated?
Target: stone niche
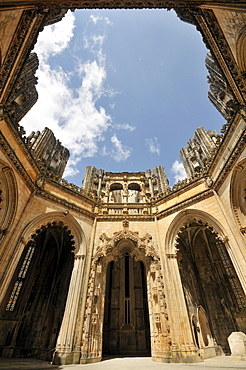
{"x": 237, "y": 343}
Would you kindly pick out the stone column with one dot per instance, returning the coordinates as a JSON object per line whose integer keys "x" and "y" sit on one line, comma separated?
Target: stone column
{"x": 151, "y": 186}
{"x": 64, "y": 349}
{"x": 183, "y": 347}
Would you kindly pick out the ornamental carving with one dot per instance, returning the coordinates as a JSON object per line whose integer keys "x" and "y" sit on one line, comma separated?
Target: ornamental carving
{"x": 144, "y": 246}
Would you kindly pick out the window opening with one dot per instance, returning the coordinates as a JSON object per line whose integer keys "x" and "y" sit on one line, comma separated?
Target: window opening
{"x": 240, "y": 298}
{"x": 21, "y": 276}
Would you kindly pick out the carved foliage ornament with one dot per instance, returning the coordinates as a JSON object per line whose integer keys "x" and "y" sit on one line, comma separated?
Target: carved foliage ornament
{"x": 110, "y": 246}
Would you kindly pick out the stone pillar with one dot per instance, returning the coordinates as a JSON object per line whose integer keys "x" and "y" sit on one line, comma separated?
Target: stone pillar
{"x": 183, "y": 347}
{"x": 64, "y": 353}
{"x": 151, "y": 187}
{"x": 159, "y": 320}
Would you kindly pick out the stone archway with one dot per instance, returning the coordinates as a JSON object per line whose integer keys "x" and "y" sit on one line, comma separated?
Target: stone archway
{"x": 35, "y": 301}
{"x": 209, "y": 280}
{"x": 238, "y": 194}
{"x": 8, "y": 198}
{"x": 113, "y": 253}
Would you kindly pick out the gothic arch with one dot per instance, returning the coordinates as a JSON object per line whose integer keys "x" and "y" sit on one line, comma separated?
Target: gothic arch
{"x": 8, "y": 197}
{"x": 207, "y": 276}
{"x": 69, "y": 221}
{"x": 238, "y": 194}
{"x": 36, "y": 297}
{"x": 241, "y": 50}
{"x": 209, "y": 280}
{"x": 185, "y": 216}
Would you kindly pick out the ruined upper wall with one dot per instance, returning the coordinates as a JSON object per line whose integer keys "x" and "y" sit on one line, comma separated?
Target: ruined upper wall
{"x": 125, "y": 187}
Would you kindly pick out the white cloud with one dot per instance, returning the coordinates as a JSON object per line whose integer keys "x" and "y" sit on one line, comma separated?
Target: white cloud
{"x": 96, "y": 19}
{"x": 153, "y": 146}
{"x": 119, "y": 152}
{"x": 124, "y": 126}
{"x": 178, "y": 171}
{"x": 73, "y": 115}
{"x": 54, "y": 39}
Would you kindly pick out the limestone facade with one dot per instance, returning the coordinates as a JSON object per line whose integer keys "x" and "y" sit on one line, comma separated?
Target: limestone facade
{"x": 123, "y": 264}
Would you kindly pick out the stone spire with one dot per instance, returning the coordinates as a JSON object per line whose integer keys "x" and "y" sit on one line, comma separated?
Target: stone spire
{"x": 219, "y": 93}
{"x": 199, "y": 148}
{"x": 50, "y": 155}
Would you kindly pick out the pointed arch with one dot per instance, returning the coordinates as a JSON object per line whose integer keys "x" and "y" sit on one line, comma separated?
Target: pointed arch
{"x": 36, "y": 297}
{"x": 185, "y": 216}
{"x": 241, "y": 50}
{"x": 68, "y": 220}
{"x": 238, "y": 194}
{"x": 110, "y": 258}
{"x": 8, "y": 197}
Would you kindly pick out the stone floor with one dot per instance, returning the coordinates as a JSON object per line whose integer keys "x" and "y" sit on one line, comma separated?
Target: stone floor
{"x": 124, "y": 363}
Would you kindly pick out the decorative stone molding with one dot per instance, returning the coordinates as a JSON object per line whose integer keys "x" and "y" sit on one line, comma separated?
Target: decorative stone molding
{"x": 192, "y": 200}
{"x": 237, "y": 150}
{"x": 238, "y": 193}
{"x": 110, "y": 245}
{"x": 123, "y": 4}
{"x": 15, "y": 161}
{"x": 30, "y": 19}
{"x": 211, "y": 31}
{"x": 8, "y": 198}
{"x": 66, "y": 204}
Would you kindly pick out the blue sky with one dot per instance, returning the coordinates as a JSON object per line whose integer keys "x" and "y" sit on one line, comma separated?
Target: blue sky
{"x": 123, "y": 90}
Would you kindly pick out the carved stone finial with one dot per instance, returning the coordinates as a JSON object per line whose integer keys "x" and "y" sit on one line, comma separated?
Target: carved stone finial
{"x": 209, "y": 181}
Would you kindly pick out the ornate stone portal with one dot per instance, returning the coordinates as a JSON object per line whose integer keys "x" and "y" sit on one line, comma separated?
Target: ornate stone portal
{"x": 126, "y": 308}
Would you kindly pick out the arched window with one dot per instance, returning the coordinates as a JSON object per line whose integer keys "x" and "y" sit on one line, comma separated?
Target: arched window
{"x": 115, "y": 193}
{"x": 134, "y": 193}
{"x": 21, "y": 276}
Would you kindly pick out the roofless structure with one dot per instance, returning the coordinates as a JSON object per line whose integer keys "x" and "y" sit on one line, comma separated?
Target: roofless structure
{"x": 124, "y": 264}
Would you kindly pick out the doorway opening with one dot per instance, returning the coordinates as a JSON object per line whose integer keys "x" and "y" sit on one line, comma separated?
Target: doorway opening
{"x": 211, "y": 286}
{"x": 36, "y": 304}
{"x": 126, "y": 329}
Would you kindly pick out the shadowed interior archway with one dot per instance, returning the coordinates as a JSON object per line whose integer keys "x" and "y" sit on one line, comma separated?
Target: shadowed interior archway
{"x": 209, "y": 280}
{"x": 126, "y": 328}
{"x": 35, "y": 301}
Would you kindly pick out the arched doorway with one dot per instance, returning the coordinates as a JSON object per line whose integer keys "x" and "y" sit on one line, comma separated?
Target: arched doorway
{"x": 126, "y": 310}
{"x": 36, "y": 300}
{"x": 126, "y": 318}
{"x": 209, "y": 280}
